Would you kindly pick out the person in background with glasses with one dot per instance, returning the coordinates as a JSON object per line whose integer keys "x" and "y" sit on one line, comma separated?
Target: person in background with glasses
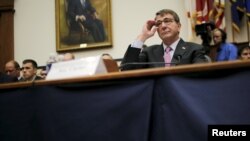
{"x": 172, "y": 51}
{"x": 244, "y": 53}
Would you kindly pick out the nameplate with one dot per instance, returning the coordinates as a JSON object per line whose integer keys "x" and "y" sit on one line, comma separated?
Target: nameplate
{"x": 76, "y": 68}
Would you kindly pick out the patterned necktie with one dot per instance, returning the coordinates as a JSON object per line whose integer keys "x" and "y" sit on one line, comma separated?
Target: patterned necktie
{"x": 167, "y": 56}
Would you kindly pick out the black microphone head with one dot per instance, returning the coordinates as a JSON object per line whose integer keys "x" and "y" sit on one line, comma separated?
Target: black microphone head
{"x": 178, "y": 57}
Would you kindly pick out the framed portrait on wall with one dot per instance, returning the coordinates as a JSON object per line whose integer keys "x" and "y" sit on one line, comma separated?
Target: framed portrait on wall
{"x": 83, "y": 24}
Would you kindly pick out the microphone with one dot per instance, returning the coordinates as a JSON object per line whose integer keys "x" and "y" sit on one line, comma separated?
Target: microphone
{"x": 144, "y": 63}
{"x": 178, "y": 57}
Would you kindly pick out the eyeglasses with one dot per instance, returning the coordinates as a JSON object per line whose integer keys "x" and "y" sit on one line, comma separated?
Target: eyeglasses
{"x": 166, "y": 21}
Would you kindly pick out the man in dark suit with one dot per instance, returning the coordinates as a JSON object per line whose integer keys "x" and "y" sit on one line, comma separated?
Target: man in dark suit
{"x": 29, "y": 70}
{"x": 172, "y": 51}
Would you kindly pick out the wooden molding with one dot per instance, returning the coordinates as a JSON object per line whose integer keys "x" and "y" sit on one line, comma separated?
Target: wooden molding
{"x": 6, "y": 32}
{"x": 6, "y": 3}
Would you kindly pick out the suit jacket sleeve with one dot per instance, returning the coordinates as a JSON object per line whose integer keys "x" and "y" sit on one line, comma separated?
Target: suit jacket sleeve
{"x": 190, "y": 53}
{"x": 132, "y": 55}
{"x": 198, "y": 54}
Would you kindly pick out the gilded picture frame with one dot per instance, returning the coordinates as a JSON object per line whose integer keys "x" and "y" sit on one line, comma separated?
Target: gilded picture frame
{"x": 83, "y": 24}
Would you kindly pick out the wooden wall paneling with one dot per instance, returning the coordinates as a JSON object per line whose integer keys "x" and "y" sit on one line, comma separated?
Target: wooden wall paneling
{"x": 6, "y": 32}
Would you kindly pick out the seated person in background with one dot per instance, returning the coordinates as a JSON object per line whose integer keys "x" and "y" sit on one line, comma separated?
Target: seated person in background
{"x": 12, "y": 68}
{"x": 223, "y": 51}
{"x": 64, "y": 57}
{"x": 29, "y": 70}
{"x": 41, "y": 72}
{"x": 172, "y": 51}
{"x": 244, "y": 53}
{"x": 68, "y": 56}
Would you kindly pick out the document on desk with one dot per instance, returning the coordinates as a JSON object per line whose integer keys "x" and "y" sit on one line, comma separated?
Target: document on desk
{"x": 77, "y": 68}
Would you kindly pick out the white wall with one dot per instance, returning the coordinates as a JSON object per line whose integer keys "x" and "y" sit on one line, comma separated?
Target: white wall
{"x": 34, "y": 29}
{"x": 34, "y": 26}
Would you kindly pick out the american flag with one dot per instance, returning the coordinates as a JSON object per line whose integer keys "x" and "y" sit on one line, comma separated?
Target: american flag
{"x": 205, "y": 11}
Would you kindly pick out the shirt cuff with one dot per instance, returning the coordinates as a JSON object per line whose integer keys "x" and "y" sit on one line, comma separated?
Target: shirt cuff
{"x": 137, "y": 44}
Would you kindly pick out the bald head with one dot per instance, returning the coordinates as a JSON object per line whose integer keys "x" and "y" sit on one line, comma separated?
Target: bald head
{"x": 12, "y": 68}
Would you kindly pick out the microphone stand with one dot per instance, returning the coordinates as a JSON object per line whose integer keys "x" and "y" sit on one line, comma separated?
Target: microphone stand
{"x": 152, "y": 63}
